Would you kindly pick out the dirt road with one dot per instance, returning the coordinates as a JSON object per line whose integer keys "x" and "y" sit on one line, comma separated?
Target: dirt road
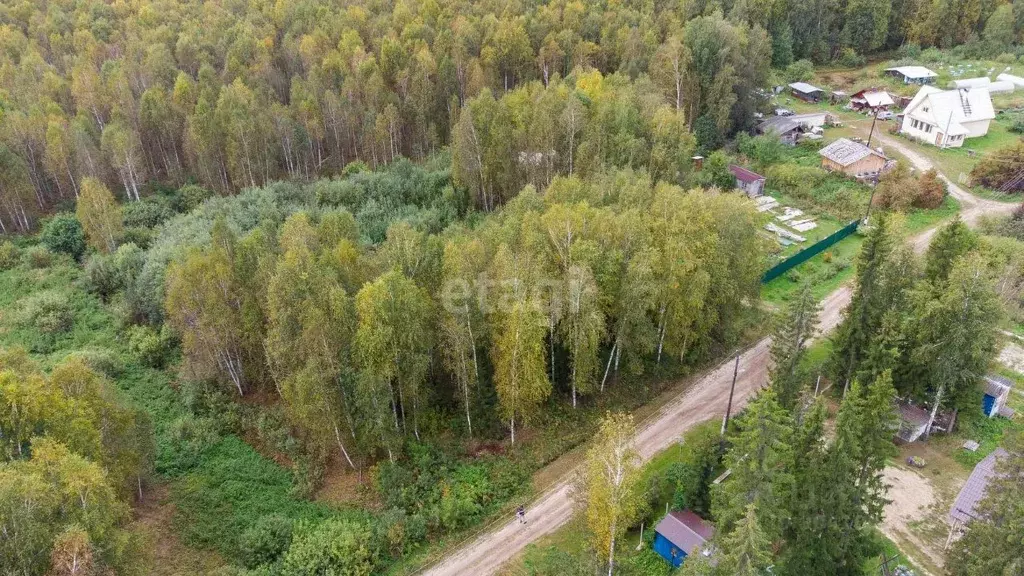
{"x": 707, "y": 399}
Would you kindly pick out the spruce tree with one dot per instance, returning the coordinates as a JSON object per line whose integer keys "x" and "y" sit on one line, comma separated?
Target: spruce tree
{"x": 863, "y": 315}
{"x": 761, "y": 459}
{"x": 747, "y": 549}
{"x": 794, "y": 329}
{"x": 950, "y": 243}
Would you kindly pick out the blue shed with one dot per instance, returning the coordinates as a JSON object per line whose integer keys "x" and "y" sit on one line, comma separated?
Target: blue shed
{"x": 997, "y": 392}
{"x": 679, "y": 534}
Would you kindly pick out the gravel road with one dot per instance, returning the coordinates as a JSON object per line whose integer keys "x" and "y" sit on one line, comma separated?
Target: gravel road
{"x": 705, "y": 400}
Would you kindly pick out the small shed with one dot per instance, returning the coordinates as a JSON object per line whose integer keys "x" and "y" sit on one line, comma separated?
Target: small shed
{"x": 913, "y": 422}
{"x": 786, "y": 129}
{"x": 811, "y": 120}
{"x": 679, "y": 534}
{"x": 871, "y": 99}
{"x": 912, "y": 74}
{"x": 997, "y": 392}
{"x": 806, "y": 92}
{"x": 747, "y": 180}
{"x": 851, "y": 158}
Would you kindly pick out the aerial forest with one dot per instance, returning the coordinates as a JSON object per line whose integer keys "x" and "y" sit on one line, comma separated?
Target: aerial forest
{"x": 249, "y": 247}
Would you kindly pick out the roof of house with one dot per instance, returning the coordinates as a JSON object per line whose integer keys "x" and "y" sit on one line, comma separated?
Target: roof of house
{"x": 874, "y": 97}
{"x": 845, "y": 152}
{"x": 997, "y": 386}
{"x": 685, "y": 530}
{"x": 778, "y": 124}
{"x": 914, "y": 415}
{"x": 950, "y": 109}
{"x": 964, "y": 508}
{"x": 804, "y": 87}
{"x": 913, "y": 71}
{"x": 744, "y": 175}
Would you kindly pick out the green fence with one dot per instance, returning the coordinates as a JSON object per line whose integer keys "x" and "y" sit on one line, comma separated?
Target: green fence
{"x": 809, "y": 252}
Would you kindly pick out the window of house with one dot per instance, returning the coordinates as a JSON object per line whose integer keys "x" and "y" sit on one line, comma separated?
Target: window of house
{"x": 928, "y": 128}
{"x": 925, "y": 108}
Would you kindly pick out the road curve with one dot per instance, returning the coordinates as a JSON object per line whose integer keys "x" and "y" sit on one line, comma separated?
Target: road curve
{"x": 705, "y": 400}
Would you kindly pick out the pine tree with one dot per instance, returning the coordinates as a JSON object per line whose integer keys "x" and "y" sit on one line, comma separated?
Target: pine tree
{"x": 788, "y": 347}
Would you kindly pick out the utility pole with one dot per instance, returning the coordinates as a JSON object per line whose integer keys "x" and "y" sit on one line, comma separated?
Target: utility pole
{"x": 872, "y": 132}
{"x": 871, "y": 200}
{"x": 884, "y": 566}
{"x": 732, "y": 390}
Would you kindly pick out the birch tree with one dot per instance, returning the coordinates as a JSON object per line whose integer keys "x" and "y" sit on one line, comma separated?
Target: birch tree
{"x": 611, "y": 485}
{"x": 100, "y": 215}
{"x": 392, "y": 346}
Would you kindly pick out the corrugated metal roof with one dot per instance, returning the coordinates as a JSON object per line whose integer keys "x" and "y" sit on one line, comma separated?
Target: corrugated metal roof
{"x": 845, "y": 152}
{"x": 744, "y": 175}
{"x": 997, "y": 386}
{"x": 685, "y": 530}
{"x": 778, "y": 124}
{"x": 965, "y": 507}
{"x": 914, "y": 71}
{"x": 804, "y": 87}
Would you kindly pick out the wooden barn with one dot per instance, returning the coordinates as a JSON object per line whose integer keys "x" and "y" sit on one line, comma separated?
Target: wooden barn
{"x": 851, "y": 158}
{"x": 806, "y": 92}
{"x": 680, "y": 534}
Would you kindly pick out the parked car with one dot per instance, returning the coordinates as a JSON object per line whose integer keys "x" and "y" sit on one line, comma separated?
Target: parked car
{"x": 783, "y": 112}
{"x": 886, "y": 115}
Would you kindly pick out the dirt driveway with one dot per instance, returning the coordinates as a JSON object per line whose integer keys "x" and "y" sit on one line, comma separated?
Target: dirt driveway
{"x": 913, "y": 500}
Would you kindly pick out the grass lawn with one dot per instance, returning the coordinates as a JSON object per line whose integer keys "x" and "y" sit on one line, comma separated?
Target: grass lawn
{"x": 826, "y": 272}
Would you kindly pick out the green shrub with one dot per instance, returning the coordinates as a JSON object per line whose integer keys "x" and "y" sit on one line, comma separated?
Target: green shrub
{"x": 10, "y": 255}
{"x": 137, "y": 235}
{"x": 63, "y": 233}
{"x": 307, "y": 475}
{"x": 332, "y": 547}
{"x": 1006, "y": 58}
{"x": 38, "y": 257}
{"x": 849, "y": 58}
{"x": 266, "y": 540}
{"x": 800, "y": 71}
{"x": 147, "y": 213}
{"x": 150, "y": 346}
{"x": 101, "y": 360}
{"x": 49, "y": 312}
{"x": 101, "y": 275}
{"x": 399, "y": 532}
{"x": 189, "y": 197}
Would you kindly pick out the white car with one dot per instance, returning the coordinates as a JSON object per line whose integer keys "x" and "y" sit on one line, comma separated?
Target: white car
{"x": 886, "y": 115}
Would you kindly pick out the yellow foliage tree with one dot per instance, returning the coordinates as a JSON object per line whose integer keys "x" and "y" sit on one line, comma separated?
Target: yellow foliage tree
{"x": 99, "y": 214}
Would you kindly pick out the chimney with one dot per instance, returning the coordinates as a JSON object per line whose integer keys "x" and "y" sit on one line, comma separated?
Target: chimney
{"x": 698, "y": 163}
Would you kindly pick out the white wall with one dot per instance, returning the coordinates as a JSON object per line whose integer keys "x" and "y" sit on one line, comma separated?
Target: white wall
{"x": 908, "y": 129}
{"x": 976, "y": 128}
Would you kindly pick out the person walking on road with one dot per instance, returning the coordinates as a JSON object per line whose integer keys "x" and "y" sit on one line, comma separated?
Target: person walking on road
{"x": 521, "y": 514}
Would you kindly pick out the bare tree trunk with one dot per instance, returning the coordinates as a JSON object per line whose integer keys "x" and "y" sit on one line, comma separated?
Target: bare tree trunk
{"x": 344, "y": 452}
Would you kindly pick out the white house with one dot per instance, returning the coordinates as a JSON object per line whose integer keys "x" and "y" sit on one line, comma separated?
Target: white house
{"x": 946, "y": 117}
